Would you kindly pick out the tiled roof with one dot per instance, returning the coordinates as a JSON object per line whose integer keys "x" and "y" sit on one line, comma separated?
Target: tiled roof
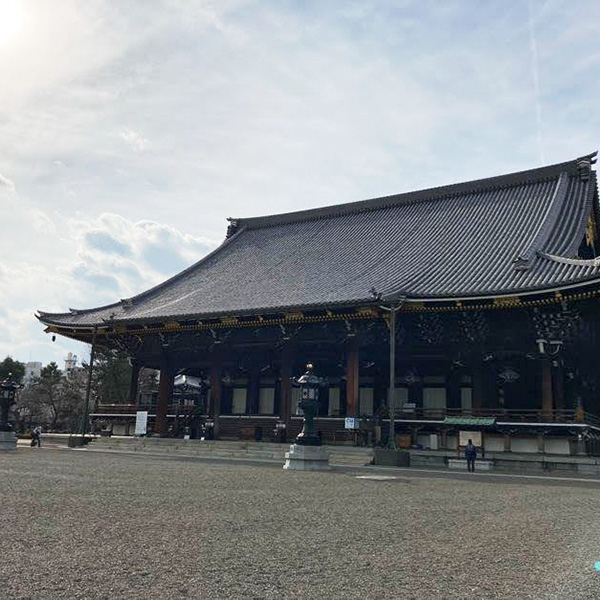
{"x": 503, "y": 235}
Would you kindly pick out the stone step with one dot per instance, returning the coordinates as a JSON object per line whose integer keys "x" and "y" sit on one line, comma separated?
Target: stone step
{"x": 229, "y": 449}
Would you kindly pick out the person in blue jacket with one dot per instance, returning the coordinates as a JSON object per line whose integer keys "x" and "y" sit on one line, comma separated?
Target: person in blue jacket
{"x": 470, "y": 455}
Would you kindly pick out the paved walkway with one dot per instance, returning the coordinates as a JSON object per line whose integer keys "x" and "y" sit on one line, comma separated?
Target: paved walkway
{"x": 563, "y": 480}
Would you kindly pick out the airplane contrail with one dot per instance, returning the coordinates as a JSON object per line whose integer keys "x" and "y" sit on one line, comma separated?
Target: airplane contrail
{"x": 536, "y": 80}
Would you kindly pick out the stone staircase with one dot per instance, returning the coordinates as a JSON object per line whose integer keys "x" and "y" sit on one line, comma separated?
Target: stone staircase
{"x": 225, "y": 449}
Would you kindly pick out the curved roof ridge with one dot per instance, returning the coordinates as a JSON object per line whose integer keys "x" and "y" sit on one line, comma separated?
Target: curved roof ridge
{"x": 181, "y": 274}
{"x": 578, "y": 262}
{"x": 525, "y": 258}
{"x": 129, "y": 303}
{"x": 435, "y": 193}
{"x": 76, "y": 311}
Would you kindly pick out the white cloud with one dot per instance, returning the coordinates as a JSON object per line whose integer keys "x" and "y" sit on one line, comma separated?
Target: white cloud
{"x": 79, "y": 263}
{"x": 137, "y": 130}
{"x": 6, "y": 182}
{"x": 135, "y": 140}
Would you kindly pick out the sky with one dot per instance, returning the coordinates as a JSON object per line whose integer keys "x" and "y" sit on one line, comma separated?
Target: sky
{"x": 131, "y": 129}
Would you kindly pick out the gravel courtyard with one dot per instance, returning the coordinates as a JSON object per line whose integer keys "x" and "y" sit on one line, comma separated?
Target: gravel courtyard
{"x": 77, "y": 524}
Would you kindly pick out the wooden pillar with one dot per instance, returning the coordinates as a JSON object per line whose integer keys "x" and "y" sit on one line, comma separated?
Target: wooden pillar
{"x": 352, "y": 379}
{"x": 478, "y": 387}
{"x": 453, "y": 391}
{"x": 165, "y": 387}
{"x": 547, "y": 398}
{"x": 415, "y": 395}
{"x": 379, "y": 392}
{"x": 285, "y": 407}
{"x": 133, "y": 383}
{"x": 444, "y": 439}
{"x": 559, "y": 387}
{"x": 253, "y": 392}
{"x": 541, "y": 445}
{"x": 215, "y": 395}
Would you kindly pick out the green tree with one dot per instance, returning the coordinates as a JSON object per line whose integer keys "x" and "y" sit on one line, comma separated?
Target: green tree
{"x": 111, "y": 376}
{"x": 54, "y": 399}
{"x": 8, "y": 366}
{"x": 147, "y": 382}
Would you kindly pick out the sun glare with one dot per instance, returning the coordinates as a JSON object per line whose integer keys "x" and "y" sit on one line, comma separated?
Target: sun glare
{"x": 11, "y": 20}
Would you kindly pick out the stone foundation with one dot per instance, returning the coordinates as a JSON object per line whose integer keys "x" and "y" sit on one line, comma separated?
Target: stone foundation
{"x": 8, "y": 441}
{"x": 306, "y": 458}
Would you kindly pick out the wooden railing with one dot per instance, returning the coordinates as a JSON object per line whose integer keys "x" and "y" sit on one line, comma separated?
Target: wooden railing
{"x": 123, "y": 409}
{"x": 502, "y": 414}
{"x": 430, "y": 414}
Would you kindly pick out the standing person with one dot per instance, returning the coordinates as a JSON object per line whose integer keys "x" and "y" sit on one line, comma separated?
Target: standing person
{"x": 470, "y": 455}
{"x": 36, "y": 436}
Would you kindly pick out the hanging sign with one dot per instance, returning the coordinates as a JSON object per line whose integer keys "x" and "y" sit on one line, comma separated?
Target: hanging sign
{"x": 141, "y": 422}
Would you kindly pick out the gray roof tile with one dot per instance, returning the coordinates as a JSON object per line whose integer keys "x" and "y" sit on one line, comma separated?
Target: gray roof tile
{"x": 452, "y": 242}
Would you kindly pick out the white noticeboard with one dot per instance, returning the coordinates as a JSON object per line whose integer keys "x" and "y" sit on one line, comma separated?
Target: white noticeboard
{"x": 465, "y": 436}
{"x": 141, "y": 422}
{"x": 351, "y": 423}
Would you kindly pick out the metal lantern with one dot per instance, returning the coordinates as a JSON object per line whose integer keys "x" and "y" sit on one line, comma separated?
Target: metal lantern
{"x": 8, "y": 392}
{"x": 309, "y": 403}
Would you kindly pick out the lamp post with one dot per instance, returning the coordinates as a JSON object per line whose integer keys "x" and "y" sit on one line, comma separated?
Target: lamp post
{"x": 88, "y": 388}
{"x": 8, "y": 392}
{"x": 391, "y": 307}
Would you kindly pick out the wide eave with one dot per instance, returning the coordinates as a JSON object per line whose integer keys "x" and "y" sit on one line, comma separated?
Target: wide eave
{"x": 512, "y": 235}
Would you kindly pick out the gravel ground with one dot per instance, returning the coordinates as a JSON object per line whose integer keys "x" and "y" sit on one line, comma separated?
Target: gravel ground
{"x": 91, "y": 525}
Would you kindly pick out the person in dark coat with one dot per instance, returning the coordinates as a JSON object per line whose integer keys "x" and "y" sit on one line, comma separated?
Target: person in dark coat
{"x": 36, "y": 437}
{"x": 470, "y": 455}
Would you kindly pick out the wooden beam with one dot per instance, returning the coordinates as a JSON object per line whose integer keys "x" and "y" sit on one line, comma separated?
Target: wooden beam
{"x": 165, "y": 387}
{"x": 547, "y": 396}
{"x": 133, "y": 383}
{"x": 285, "y": 406}
{"x": 216, "y": 390}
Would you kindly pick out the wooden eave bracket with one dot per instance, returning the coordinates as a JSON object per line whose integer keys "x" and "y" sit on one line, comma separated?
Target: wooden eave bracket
{"x": 294, "y": 316}
{"x": 367, "y": 311}
{"x": 507, "y": 301}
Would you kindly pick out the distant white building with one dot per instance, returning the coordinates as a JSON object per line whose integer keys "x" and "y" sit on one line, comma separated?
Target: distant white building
{"x": 70, "y": 363}
{"x": 32, "y": 371}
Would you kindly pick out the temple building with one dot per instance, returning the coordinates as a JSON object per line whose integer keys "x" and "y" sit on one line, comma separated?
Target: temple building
{"x": 495, "y": 284}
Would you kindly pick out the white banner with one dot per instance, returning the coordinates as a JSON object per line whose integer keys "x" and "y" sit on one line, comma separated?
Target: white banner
{"x": 141, "y": 422}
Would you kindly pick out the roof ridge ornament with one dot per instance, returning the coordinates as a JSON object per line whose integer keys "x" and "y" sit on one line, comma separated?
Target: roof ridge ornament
{"x": 584, "y": 165}
{"x": 232, "y": 228}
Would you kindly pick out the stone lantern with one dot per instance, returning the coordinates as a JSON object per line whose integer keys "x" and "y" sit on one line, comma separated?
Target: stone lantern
{"x": 309, "y": 384}
{"x": 8, "y": 392}
{"x": 307, "y": 453}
